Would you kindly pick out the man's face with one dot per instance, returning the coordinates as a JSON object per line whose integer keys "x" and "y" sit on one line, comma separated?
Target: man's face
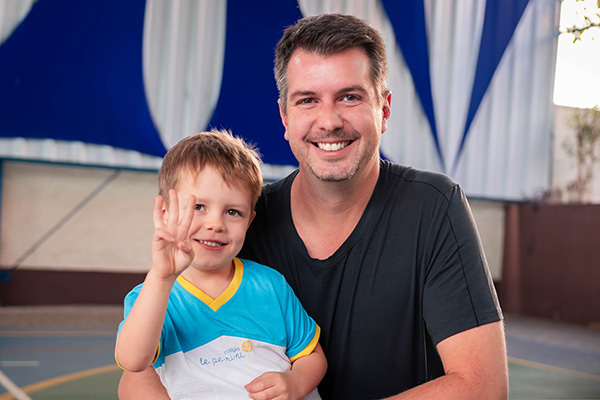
{"x": 334, "y": 117}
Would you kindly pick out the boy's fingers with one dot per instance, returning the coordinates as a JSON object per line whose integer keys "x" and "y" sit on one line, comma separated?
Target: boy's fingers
{"x": 184, "y": 246}
{"x": 173, "y": 217}
{"x": 162, "y": 234}
{"x": 188, "y": 215}
{"x": 157, "y": 216}
{"x": 258, "y": 385}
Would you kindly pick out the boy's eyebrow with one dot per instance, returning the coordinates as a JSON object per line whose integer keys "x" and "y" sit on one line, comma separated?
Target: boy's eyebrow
{"x": 229, "y": 204}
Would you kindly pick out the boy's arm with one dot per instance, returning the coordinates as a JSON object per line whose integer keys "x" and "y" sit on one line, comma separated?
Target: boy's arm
{"x": 303, "y": 378}
{"x": 138, "y": 339}
{"x": 141, "y": 386}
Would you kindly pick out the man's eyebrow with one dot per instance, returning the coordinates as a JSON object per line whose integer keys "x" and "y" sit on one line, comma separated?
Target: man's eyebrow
{"x": 302, "y": 93}
{"x": 351, "y": 89}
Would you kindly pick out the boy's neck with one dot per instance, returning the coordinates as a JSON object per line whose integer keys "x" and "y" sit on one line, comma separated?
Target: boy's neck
{"x": 211, "y": 282}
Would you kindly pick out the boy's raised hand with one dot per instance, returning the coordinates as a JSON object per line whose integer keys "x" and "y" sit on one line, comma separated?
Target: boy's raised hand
{"x": 171, "y": 251}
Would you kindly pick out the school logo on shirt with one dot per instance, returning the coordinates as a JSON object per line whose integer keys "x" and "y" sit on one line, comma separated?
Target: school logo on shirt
{"x": 247, "y": 346}
{"x": 229, "y": 354}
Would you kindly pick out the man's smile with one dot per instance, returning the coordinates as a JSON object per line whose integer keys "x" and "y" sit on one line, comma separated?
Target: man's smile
{"x": 332, "y": 146}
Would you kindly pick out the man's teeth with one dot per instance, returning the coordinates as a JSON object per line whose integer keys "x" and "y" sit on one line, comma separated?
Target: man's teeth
{"x": 211, "y": 244}
{"x": 332, "y": 146}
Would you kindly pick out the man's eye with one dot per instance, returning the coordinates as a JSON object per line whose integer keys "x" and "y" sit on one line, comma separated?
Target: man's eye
{"x": 199, "y": 207}
{"x": 305, "y": 101}
{"x": 233, "y": 213}
{"x": 350, "y": 97}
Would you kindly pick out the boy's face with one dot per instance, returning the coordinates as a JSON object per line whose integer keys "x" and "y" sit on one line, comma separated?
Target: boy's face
{"x": 222, "y": 215}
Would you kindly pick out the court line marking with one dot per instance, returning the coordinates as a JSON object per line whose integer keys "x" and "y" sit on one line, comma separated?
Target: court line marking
{"x": 35, "y": 387}
{"x": 552, "y": 368}
{"x": 14, "y": 392}
{"x": 19, "y": 363}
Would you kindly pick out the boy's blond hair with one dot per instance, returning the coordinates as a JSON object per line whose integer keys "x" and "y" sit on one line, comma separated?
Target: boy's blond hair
{"x": 236, "y": 160}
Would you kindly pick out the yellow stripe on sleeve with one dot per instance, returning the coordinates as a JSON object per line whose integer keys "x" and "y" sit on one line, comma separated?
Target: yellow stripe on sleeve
{"x": 310, "y": 347}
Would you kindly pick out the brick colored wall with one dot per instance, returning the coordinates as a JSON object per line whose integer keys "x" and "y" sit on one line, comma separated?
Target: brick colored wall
{"x": 552, "y": 262}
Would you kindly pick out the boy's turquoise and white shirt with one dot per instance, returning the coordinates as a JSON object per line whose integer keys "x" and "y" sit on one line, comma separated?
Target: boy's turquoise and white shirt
{"x": 210, "y": 348}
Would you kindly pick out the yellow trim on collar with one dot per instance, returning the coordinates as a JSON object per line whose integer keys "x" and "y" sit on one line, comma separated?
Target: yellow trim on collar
{"x": 227, "y": 294}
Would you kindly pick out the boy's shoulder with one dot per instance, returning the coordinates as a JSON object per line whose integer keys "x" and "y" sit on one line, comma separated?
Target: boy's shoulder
{"x": 260, "y": 271}
{"x": 133, "y": 293}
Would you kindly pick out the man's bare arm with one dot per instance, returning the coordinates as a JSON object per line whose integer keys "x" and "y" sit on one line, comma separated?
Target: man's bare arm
{"x": 141, "y": 386}
{"x": 475, "y": 364}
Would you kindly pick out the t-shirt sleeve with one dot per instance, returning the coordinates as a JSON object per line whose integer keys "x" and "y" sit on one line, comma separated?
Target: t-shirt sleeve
{"x": 127, "y": 306}
{"x": 459, "y": 292}
{"x": 302, "y": 331}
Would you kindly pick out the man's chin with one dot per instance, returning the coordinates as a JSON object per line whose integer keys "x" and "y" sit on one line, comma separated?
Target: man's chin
{"x": 334, "y": 176}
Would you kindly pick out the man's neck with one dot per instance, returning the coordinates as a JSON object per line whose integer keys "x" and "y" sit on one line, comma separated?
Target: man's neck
{"x": 326, "y": 213}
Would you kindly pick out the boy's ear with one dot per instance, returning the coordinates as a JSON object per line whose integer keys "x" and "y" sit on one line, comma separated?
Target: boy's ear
{"x": 165, "y": 215}
{"x": 251, "y": 218}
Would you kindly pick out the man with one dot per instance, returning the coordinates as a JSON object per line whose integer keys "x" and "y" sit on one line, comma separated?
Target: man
{"x": 385, "y": 258}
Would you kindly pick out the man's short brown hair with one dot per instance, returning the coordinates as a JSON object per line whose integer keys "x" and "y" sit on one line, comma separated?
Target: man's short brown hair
{"x": 328, "y": 34}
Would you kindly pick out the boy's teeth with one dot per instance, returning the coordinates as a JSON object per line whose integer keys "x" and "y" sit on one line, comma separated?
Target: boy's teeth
{"x": 332, "y": 146}
{"x": 211, "y": 244}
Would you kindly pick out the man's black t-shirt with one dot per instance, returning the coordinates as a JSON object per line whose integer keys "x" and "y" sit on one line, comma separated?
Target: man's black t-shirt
{"x": 411, "y": 274}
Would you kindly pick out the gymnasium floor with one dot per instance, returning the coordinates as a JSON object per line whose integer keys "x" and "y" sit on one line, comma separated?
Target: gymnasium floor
{"x": 66, "y": 353}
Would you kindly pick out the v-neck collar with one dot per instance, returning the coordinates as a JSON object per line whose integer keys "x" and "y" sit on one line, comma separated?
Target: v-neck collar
{"x": 224, "y": 297}
{"x": 359, "y": 230}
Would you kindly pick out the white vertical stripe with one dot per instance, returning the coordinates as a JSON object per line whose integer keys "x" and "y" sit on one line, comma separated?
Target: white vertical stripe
{"x": 508, "y": 151}
{"x": 184, "y": 47}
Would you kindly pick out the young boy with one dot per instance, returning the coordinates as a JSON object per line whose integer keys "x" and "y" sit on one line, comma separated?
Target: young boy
{"x": 212, "y": 325}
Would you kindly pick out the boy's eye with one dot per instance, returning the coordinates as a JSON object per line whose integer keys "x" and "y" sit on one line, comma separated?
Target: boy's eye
{"x": 233, "y": 213}
{"x": 199, "y": 207}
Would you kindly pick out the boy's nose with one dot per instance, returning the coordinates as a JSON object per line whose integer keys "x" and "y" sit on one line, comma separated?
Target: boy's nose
{"x": 214, "y": 223}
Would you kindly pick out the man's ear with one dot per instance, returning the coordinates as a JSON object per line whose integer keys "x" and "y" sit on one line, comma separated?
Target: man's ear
{"x": 386, "y": 111}
{"x": 283, "y": 115}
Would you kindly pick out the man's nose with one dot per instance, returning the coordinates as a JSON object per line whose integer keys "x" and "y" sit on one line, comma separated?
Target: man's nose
{"x": 330, "y": 118}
